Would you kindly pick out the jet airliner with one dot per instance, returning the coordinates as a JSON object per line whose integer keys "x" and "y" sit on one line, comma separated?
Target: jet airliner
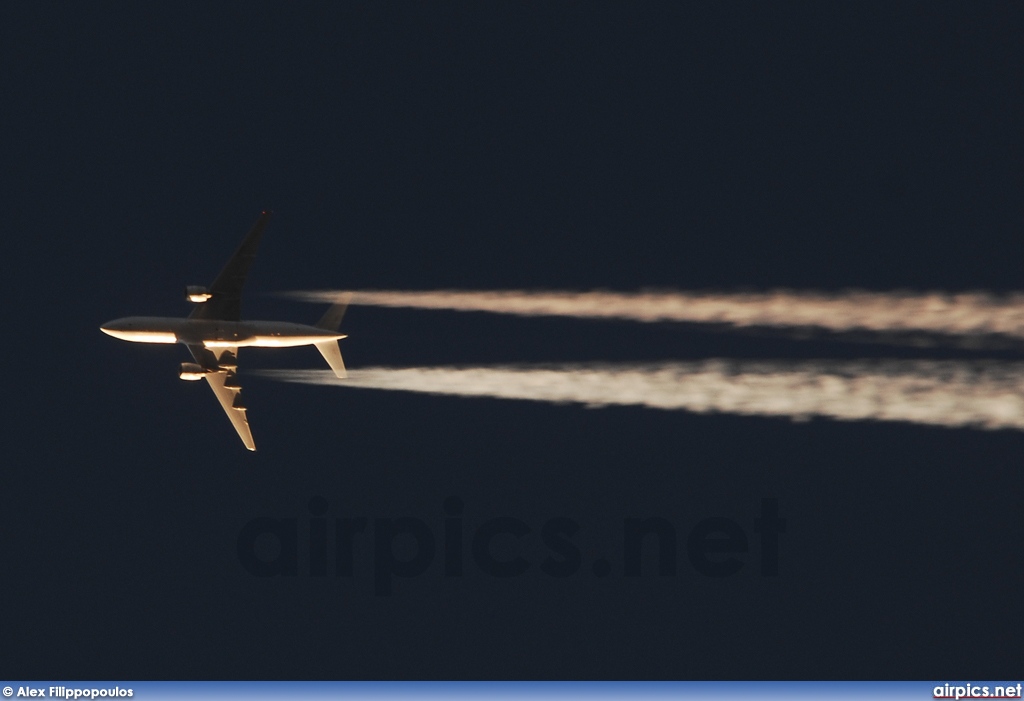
{"x": 214, "y": 332}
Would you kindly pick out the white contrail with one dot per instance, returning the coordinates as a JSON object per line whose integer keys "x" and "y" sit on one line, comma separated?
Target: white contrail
{"x": 934, "y": 312}
{"x": 981, "y": 394}
{"x": 973, "y": 313}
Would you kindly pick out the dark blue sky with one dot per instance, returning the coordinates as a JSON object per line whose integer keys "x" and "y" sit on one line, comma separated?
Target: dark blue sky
{"x": 713, "y": 146}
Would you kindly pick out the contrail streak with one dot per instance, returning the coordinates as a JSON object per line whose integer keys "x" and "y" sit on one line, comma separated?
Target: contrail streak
{"x": 981, "y": 394}
{"x": 974, "y": 313}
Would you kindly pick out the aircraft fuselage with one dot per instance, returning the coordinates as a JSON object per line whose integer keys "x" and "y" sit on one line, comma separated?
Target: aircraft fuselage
{"x": 215, "y": 333}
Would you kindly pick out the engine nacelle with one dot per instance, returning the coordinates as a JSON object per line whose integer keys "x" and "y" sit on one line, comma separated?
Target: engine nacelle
{"x": 192, "y": 372}
{"x": 197, "y": 294}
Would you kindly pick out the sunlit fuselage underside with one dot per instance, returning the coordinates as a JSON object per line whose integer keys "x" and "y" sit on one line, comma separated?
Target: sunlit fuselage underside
{"x": 215, "y": 333}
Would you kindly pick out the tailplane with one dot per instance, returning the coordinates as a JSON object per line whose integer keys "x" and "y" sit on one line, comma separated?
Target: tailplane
{"x": 332, "y": 354}
{"x": 331, "y": 319}
{"x": 330, "y": 350}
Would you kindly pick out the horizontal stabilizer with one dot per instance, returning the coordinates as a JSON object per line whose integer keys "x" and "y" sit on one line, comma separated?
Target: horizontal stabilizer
{"x": 331, "y": 319}
{"x": 332, "y": 354}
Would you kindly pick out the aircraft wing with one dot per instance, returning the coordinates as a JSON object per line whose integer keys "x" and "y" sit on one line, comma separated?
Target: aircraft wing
{"x": 226, "y": 300}
{"x": 222, "y": 377}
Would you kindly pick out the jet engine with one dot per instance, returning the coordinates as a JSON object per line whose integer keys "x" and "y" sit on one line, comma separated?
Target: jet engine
{"x": 197, "y": 294}
{"x": 192, "y": 372}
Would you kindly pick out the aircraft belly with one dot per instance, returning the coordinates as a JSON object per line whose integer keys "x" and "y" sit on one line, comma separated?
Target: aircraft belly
{"x": 272, "y": 341}
{"x": 215, "y": 334}
{"x": 144, "y": 336}
{"x": 218, "y": 343}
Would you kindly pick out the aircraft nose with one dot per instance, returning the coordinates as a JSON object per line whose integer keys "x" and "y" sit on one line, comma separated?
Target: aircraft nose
{"x": 112, "y": 327}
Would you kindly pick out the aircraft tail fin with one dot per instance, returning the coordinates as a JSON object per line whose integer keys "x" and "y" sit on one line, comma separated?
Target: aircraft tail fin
{"x": 332, "y": 354}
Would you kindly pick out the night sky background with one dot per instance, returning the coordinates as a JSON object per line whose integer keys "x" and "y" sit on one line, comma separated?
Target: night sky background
{"x": 717, "y": 146}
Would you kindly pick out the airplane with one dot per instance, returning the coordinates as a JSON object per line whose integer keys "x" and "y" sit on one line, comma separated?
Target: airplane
{"x": 214, "y": 332}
